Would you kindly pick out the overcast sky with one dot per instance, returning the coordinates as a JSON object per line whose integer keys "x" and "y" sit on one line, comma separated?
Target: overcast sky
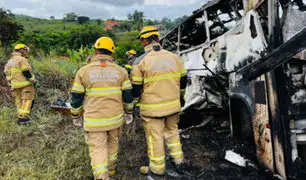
{"x": 102, "y": 8}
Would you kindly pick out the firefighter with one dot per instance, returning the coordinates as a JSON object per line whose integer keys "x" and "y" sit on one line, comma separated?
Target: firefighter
{"x": 158, "y": 81}
{"x": 22, "y": 82}
{"x": 103, "y": 90}
{"x": 131, "y": 54}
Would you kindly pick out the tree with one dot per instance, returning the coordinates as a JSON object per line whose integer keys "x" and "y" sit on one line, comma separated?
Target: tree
{"x": 99, "y": 21}
{"x": 125, "y": 42}
{"x": 125, "y": 26}
{"x": 9, "y": 28}
{"x": 167, "y": 23}
{"x": 61, "y": 41}
{"x": 83, "y": 19}
{"x": 149, "y": 22}
{"x": 137, "y": 19}
{"x": 130, "y": 17}
{"x": 70, "y": 16}
{"x": 52, "y": 17}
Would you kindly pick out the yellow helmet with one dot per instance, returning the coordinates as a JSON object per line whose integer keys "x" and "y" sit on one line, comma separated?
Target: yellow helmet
{"x": 105, "y": 43}
{"x": 20, "y": 46}
{"x": 132, "y": 51}
{"x": 148, "y": 31}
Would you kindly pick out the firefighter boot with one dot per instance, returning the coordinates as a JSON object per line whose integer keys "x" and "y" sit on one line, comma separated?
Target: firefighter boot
{"x": 144, "y": 170}
{"x": 23, "y": 122}
{"x": 182, "y": 170}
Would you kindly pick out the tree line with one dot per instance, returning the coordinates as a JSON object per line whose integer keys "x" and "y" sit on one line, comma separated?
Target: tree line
{"x": 84, "y": 35}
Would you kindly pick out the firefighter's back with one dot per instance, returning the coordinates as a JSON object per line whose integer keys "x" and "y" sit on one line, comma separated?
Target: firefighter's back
{"x": 13, "y": 70}
{"x": 103, "y": 106}
{"x": 161, "y": 77}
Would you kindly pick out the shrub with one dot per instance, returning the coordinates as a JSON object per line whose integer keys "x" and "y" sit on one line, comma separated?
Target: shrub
{"x": 53, "y": 72}
{"x": 79, "y": 56}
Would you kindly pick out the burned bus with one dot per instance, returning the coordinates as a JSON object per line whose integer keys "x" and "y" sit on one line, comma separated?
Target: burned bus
{"x": 248, "y": 56}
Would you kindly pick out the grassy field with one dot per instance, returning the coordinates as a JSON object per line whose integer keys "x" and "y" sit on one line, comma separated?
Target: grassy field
{"x": 45, "y": 25}
{"x": 52, "y": 148}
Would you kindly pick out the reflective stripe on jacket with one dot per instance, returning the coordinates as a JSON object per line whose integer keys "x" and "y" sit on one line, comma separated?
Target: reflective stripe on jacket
{"x": 160, "y": 72}
{"x": 13, "y": 71}
{"x": 103, "y": 84}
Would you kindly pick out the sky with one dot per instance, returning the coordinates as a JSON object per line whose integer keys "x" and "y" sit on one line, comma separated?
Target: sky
{"x": 103, "y": 9}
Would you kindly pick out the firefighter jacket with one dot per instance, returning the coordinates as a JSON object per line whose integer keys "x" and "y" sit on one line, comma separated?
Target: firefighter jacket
{"x": 132, "y": 60}
{"x": 103, "y": 90}
{"x": 158, "y": 79}
{"x": 17, "y": 72}
{"x": 128, "y": 68}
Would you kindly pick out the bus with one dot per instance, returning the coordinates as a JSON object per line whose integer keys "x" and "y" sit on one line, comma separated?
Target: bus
{"x": 248, "y": 56}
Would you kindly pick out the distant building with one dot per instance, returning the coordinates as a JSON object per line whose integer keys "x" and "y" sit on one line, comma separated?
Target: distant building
{"x": 110, "y": 24}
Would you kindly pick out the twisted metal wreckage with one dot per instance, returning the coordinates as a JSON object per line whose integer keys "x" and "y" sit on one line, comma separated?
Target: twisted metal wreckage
{"x": 248, "y": 56}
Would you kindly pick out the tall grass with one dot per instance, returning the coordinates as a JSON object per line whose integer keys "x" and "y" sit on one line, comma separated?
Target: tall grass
{"x": 51, "y": 148}
{"x": 81, "y": 55}
{"x": 54, "y": 72}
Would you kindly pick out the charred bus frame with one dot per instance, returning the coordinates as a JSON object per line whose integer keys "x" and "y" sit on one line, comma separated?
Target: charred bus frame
{"x": 261, "y": 87}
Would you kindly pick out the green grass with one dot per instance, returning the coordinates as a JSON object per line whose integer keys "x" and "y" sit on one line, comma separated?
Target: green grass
{"x": 53, "y": 72}
{"x": 51, "y": 148}
{"x": 45, "y": 25}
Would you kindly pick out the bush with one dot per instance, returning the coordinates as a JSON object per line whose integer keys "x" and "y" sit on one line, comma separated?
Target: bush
{"x": 60, "y": 42}
{"x": 80, "y": 55}
{"x": 125, "y": 42}
{"x": 4, "y": 53}
{"x": 53, "y": 72}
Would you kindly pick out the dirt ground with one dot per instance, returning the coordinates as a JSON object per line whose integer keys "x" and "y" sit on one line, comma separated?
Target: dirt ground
{"x": 204, "y": 149}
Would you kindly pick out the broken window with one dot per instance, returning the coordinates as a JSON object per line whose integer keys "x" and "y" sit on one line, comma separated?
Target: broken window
{"x": 170, "y": 42}
{"x": 221, "y": 16}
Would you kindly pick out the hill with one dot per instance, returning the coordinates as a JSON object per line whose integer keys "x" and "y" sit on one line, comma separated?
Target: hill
{"x": 44, "y": 25}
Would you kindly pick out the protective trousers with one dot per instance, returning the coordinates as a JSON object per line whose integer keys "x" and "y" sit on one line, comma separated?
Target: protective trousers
{"x": 24, "y": 99}
{"x": 103, "y": 148}
{"x": 158, "y": 130}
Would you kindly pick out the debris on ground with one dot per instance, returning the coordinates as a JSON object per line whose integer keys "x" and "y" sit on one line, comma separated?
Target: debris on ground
{"x": 185, "y": 136}
{"x": 225, "y": 124}
{"x": 206, "y": 148}
{"x": 204, "y": 122}
{"x": 235, "y": 158}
